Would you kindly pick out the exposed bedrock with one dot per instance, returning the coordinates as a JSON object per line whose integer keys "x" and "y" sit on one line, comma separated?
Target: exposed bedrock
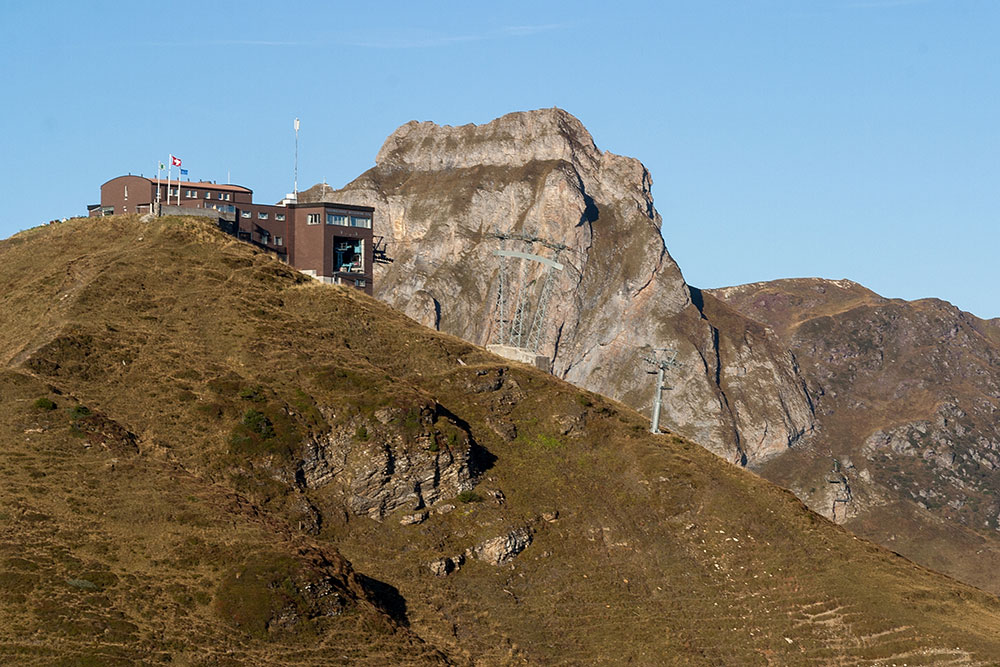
{"x": 440, "y": 192}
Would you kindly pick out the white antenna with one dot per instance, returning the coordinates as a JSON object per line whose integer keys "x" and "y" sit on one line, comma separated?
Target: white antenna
{"x": 295, "y": 186}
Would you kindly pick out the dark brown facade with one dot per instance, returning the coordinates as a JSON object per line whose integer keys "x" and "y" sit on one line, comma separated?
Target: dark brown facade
{"x": 330, "y": 242}
{"x": 137, "y": 194}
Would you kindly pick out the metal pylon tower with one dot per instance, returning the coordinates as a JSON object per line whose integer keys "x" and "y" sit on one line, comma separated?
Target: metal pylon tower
{"x": 522, "y": 301}
{"x": 663, "y": 359}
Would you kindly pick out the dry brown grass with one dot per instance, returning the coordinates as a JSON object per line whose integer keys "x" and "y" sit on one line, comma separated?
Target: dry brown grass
{"x": 661, "y": 553}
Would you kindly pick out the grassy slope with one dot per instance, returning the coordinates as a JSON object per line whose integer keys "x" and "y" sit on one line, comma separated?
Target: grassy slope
{"x": 809, "y": 312}
{"x": 661, "y": 552}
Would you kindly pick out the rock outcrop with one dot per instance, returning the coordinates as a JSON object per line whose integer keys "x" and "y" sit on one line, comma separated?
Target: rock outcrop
{"x": 409, "y": 458}
{"x": 442, "y": 194}
{"x": 500, "y": 549}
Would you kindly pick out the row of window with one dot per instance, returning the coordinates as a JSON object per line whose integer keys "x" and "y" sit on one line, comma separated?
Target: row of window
{"x": 342, "y": 220}
{"x": 193, "y": 194}
{"x": 261, "y": 215}
{"x": 266, "y": 238}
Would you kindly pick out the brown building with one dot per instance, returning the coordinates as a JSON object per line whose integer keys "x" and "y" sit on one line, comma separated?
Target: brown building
{"x": 330, "y": 242}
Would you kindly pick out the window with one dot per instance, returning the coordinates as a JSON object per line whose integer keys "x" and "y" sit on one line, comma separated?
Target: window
{"x": 348, "y": 255}
{"x": 208, "y": 195}
{"x": 280, "y": 217}
{"x": 332, "y": 219}
{"x": 227, "y": 196}
{"x": 221, "y": 197}
{"x": 361, "y": 222}
{"x": 279, "y": 241}
{"x": 312, "y": 219}
{"x": 190, "y": 193}
{"x": 263, "y": 237}
{"x": 261, "y": 215}
{"x": 126, "y": 192}
{"x": 360, "y": 283}
{"x": 245, "y": 214}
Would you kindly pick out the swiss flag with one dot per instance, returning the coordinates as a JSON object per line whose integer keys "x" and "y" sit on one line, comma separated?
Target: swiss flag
{"x": 175, "y": 161}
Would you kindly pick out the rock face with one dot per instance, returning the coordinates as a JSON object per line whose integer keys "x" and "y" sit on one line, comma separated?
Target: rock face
{"x": 402, "y": 462}
{"x": 906, "y": 397}
{"x": 441, "y": 195}
{"x": 499, "y": 550}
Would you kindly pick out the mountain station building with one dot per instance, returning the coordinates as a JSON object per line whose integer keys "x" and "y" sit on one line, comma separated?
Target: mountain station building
{"x": 330, "y": 242}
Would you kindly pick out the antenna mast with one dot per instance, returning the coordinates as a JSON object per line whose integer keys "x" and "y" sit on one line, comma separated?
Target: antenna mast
{"x": 295, "y": 185}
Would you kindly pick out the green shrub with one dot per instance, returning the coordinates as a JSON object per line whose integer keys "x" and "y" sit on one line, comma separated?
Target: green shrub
{"x": 79, "y": 412}
{"x": 361, "y": 433}
{"x": 255, "y": 394}
{"x": 257, "y": 422}
{"x": 412, "y": 425}
{"x": 45, "y": 404}
{"x": 469, "y": 497}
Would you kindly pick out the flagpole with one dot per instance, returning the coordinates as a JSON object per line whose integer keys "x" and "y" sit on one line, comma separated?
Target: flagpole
{"x": 170, "y": 164}
{"x": 159, "y": 168}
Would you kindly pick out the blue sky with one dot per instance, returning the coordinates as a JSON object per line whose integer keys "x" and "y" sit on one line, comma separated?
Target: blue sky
{"x": 835, "y": 138}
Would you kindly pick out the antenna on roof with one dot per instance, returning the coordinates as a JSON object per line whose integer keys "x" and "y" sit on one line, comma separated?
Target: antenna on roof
{"x": 295, "y": 186}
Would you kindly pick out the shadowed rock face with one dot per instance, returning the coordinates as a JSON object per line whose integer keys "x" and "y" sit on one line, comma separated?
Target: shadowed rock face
{"x": 440, "y": 193}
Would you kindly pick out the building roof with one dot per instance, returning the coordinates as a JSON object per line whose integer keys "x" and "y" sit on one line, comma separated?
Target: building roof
{"x": 207, "y": 185}
{"x": 204, "y": 185}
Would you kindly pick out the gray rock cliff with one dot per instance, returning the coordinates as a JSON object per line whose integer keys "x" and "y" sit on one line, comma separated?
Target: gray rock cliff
{"x": 442, "y": 192}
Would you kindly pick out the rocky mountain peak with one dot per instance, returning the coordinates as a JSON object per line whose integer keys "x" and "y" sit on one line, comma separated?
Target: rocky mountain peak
{"x": 513, "y": 139}
{"x": 443, "y": 194}
{"x": 516, "y": 141}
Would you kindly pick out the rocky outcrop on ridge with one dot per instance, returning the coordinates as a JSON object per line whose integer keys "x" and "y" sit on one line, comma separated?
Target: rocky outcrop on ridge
{"x": 441, "y": 194}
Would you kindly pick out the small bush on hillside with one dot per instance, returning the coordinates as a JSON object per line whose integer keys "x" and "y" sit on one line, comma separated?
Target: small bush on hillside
{"x": 268, "y": 430}
{"x": 469, "y": 497}
{"x": 255, "y": 394}
{"x": 45, "y": 404}
{"x": 79, "y": 412}
{"x": 258, "y": 423}
{"x": 361, "y": 433}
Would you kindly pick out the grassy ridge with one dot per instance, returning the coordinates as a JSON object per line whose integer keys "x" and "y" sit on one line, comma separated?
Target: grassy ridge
{"x": 210, "y": 372}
